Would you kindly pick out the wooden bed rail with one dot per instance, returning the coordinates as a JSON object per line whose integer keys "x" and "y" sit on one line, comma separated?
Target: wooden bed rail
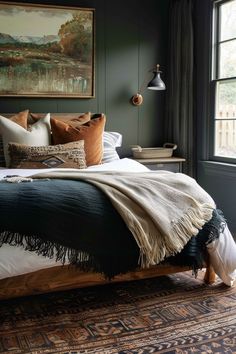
{"x": 69, "y": 277}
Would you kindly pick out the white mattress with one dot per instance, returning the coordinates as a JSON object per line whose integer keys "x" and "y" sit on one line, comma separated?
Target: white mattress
{"x": 15, "y": 260}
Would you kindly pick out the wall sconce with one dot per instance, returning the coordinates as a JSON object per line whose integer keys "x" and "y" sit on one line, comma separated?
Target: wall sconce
{"x": 155, "y": 84}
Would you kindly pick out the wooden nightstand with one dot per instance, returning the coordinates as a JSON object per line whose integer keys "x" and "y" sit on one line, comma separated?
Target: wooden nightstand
{"x": 173, "y": 164}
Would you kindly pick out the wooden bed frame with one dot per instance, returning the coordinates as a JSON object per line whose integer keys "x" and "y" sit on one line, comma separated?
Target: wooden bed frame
{"x": 69, "y": 277}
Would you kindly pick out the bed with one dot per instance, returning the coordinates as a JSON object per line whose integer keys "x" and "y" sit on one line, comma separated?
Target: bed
{"x": 27, "y": 268}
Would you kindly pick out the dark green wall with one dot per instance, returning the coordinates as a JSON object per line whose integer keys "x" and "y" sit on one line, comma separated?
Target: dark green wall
{"x": 131, "y": 37}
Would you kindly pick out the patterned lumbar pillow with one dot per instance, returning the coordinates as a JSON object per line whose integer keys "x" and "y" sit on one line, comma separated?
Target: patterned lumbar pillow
{"x": 38, "y": 135}
{"x": 70, "y": 155}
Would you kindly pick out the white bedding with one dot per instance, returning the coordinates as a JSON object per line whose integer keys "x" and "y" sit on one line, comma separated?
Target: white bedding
{"x": 118, "y": 165}
{"x": 15, "y": 260}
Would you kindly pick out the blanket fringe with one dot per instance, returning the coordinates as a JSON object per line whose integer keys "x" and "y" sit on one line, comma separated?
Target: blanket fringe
{"x": 182, "y": 231}
{"x": 194, "y": 252}
{"x": 190, "y": 224}
{"x": 211, "y": 231}
{"x": 51, "y": 250}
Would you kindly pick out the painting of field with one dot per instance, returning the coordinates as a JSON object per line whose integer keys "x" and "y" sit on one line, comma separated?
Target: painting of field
{"x": 46, "y": 51}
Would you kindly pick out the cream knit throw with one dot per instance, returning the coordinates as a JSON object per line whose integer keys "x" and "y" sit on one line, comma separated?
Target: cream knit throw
{"x": 163, "y": 210}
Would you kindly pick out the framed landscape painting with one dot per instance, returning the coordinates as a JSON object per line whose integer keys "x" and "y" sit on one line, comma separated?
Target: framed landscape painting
{"x": 46, "y": 51}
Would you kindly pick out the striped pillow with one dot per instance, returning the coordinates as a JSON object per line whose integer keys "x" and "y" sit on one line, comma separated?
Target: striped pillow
{"x": 111, "y": 140}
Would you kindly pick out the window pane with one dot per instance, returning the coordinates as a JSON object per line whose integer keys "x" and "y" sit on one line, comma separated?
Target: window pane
{"x": 227, "y": 59}
{"x": 225, "y": 138}
{"x": 228, "y": 20}
{"x": 226, "y": 99}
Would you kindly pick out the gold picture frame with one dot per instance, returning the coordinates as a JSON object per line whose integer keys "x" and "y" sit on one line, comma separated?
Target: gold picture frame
{"x": 46, "y": 51}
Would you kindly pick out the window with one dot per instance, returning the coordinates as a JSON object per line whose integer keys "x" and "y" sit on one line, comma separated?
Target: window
{"x": 224, "y": 81}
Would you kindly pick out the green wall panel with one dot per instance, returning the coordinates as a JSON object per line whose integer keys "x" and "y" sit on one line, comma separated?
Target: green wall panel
{"x": 130, "y": 38}
{"x": 122, "y": 69}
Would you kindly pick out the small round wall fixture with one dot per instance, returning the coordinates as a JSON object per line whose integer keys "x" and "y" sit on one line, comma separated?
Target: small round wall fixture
{"x": 137, "y": 99}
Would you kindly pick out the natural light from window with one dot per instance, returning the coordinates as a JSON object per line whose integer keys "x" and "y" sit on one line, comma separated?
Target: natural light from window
{"x": 225, "y": 102}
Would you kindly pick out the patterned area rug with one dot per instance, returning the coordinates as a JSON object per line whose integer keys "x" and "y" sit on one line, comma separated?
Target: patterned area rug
{"x": 171, "y": 314}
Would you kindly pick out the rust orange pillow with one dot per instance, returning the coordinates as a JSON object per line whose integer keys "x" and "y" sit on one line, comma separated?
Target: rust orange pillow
{"x": 21, "y": 119}
{"x": 82, "y": 119}
{"x": 91, "y": 132}
{"x": 74, "y": 122}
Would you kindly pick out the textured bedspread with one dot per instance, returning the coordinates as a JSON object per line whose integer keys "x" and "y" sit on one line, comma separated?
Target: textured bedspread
{"x": 75, "y": 216}
{"x": 70, "y": 218}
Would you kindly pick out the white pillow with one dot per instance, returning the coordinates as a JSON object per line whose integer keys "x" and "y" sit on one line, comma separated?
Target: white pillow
{"x": 111, "y": 140}
{"x": 38, "y": 135}
{"x": 222, "y": 253}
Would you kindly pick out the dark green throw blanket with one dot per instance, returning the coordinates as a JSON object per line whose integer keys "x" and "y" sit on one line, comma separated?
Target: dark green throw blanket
{"x": 74, "y": 219}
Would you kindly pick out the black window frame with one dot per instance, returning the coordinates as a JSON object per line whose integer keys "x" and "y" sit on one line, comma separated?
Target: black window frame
{"x": 214, "y": 79}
